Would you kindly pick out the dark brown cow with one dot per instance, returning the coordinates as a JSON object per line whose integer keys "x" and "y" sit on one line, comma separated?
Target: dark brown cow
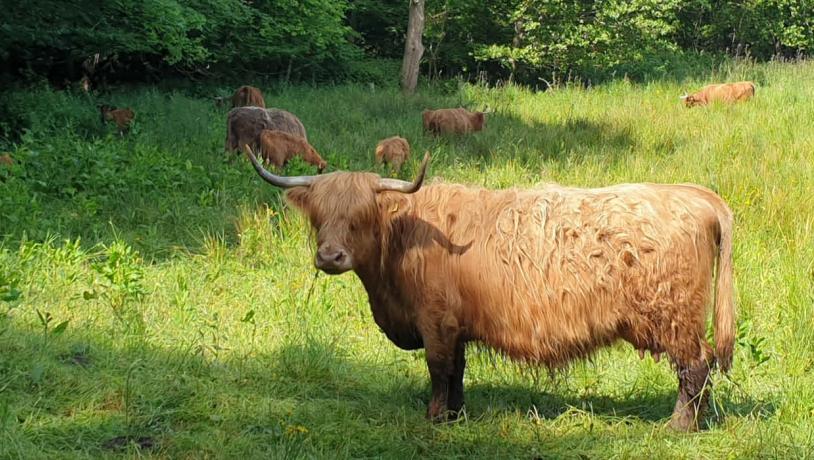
{"x": 277, "y": 147}
{"x": 248, "y": 96}
{"x": 393, "y": 151}
{"x": 243, "y": 126}
{"x": 726, "y": 93}
{"x": 122, "y": 117}
{"x": 453, "y": 121}
{"x": 544, "y": 276}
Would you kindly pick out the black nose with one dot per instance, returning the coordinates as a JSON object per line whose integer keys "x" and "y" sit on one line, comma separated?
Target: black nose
{"x": 330, "y": 256}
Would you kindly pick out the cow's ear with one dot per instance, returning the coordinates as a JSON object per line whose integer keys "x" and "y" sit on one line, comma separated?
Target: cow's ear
{"x": 298, "y": 197}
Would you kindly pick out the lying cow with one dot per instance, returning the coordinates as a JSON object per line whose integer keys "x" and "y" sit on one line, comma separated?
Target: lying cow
{"x": 726, "y": 93}
{"x": 453, "y": 121}
{"x": 544, "y": 276}
{"x": 248, "y": 96}
{"x": 277, "y": 147}
{"x": 123, "y": 118}
{"x": 244, "y": 124}
{"x": 393, "y": 151}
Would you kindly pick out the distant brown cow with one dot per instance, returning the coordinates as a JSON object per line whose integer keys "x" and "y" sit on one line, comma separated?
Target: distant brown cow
{"x": 277, "y": 147}
{"x": 6, "y": 160}
{"x": 122, "y": 117}
{"x": 248, "y": 96}
{"x": 453, "y": 121}
{"x": 393, "y": 151}
{"x": 243, "y": 126}
{"x": 725, "y": 93}
{"x": 544, "y": 276}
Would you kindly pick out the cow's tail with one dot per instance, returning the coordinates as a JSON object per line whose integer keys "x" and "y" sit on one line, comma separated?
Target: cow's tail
{"x": 724, "y": 297}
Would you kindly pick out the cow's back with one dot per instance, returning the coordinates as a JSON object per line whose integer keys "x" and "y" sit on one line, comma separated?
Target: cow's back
{"x": 550, "y": 274}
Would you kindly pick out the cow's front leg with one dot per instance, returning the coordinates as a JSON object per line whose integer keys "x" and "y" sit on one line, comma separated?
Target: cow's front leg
{"x": 455, "y": 398}
{"x": 440, "y": 362}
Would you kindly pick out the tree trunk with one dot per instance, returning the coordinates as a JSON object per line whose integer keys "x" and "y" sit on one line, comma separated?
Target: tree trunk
{"x": 413, "y": 48}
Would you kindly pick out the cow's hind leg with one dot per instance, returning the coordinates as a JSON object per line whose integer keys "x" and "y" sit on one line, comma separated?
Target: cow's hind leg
{"x": 694, "y": 386}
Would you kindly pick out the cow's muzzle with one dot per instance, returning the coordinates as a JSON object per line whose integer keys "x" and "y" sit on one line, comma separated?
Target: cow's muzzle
{"x": 332, "y": 260}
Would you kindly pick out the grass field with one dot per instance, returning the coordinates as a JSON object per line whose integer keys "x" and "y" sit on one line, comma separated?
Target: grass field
{"x": 159, "y": 300}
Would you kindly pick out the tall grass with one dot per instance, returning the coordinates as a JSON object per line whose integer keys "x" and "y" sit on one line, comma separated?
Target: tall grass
{"x": 157, "y": 299}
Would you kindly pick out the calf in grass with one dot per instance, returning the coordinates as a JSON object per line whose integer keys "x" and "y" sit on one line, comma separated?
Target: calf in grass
{"x": 453, "y": 121}
{"x": 248, "y": 96}
{"x": 277, "y": 147}
{"x": 393, "y": 151}
{"x": 544, "y": 276}
{"x": 726, "y": 93}
{"x": 123, "y": 118}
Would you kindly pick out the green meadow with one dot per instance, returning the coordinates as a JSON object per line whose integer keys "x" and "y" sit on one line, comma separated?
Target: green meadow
{"x": 157, "y": 299}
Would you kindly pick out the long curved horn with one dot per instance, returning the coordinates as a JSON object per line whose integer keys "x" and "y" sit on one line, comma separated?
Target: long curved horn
{"x": 278, "y": 181}
{"x": 396, "y": 185}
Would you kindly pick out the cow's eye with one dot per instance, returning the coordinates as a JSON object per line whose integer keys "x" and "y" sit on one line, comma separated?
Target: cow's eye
{"x": 352, "y": 227}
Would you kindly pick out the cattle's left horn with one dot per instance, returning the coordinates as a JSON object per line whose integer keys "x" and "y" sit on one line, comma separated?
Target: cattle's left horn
{"x": 279, "y": 181}
{"x": 396, "y": 185}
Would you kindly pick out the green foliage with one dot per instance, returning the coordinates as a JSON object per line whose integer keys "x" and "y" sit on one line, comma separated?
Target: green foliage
{"x": 307, "y": 38}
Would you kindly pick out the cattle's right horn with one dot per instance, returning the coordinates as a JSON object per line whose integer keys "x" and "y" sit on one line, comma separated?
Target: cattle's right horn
{"x": 403, "y": 186}
{"x": 279, "y": 181}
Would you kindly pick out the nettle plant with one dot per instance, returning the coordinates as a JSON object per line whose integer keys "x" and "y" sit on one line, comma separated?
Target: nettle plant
{"x": 119, "y": 285}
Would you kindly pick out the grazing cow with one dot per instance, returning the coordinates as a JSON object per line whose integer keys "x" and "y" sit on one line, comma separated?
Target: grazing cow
{"x": 122, "y": 117}
{"x": 725, "y": 93}
{"x": 243, "y": 126}
{"x": 543, "y": 276}
{"x": 277, "y": 147}
{"x": 248, "y": 96}
{"x": 6, "y": 160}
{"x": 393, "y": 151}
{"x": 453, "y": 121}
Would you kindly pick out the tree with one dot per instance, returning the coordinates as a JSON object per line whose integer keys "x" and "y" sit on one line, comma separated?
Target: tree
{"x": 413, "y": 48}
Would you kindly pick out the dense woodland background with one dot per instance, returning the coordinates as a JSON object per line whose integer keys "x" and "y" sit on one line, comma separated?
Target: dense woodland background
{"x": 531, "y": 41}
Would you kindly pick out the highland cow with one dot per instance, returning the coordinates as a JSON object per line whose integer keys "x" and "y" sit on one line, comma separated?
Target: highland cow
{"x": 544, "y": 276}
{"x": 725, "y": 93}
{"x": 453, "y": 121}
{"x": 243, "y": 126}
{"x": 248, "y": 96}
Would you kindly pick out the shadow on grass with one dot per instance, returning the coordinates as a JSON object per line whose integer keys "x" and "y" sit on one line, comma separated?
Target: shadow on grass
{"x": 87, "y": 395}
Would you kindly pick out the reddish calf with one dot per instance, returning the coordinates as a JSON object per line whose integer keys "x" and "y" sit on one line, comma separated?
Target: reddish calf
{"x": 453, "y": 121}
{"x": 393, "y": 151}
{"x": 277, "y": 147}
{"x": 247, "y": 96}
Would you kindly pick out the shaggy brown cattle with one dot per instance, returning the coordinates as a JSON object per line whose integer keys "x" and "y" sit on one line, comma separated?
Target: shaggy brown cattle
{"x": 243, "y": 125}
{"x": 277, "y": 147}
{"x": 544, "y": 276}
{"x": 248, "y": 96}
{"x": 393, "y": 151}
{"x": 122, "y": 117}
{"x": 453, "y": 121}
{"x": 725, "y": 92}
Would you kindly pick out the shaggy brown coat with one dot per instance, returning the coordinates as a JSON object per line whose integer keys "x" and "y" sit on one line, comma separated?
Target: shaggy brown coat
{"x": 248, "y": 96}
{"x": 393, "y": 151}
{"x": 726, "y": 93}
{"x": 544, "y": 276}
{"x": 243, "y": 126}
{"x": 122, "y": 117}
{"x": 277, "y": 147}
{"x": 453, "y": 121}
